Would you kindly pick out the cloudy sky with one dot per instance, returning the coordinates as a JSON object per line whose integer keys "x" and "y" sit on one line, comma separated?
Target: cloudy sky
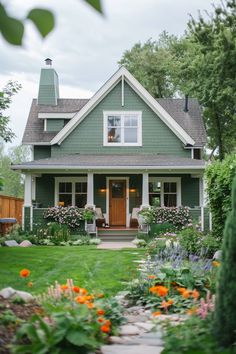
{"x": 84, "y": 46}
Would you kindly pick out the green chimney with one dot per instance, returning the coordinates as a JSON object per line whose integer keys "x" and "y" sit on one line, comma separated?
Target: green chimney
{"x": 48, "y": 85}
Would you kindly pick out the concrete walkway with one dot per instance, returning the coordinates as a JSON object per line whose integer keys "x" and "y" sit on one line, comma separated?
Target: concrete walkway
{"x": 115, "y": 245}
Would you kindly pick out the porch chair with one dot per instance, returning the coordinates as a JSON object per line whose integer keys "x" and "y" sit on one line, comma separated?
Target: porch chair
{"x": 134, "y": 218}
{"x": 99, "y": 217}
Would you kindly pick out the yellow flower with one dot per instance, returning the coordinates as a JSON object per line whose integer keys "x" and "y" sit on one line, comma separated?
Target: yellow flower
{"x": 216, "y": 264}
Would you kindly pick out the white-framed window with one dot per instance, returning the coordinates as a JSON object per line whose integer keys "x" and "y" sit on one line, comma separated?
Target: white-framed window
{"x": 71, "y": 191}
{"x": 122, "y": 128}
{"x": 165, "y": 191}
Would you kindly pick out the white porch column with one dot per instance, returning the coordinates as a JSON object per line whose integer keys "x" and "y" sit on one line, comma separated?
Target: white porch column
{"x": 28, "y": 190}
{"x": 145, "y": 190}
{"x": 90, "y": 189}
{"x": 201, "y": 201}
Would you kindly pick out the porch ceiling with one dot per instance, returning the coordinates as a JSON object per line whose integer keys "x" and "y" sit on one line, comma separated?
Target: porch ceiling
{"x": 113, "y": 162}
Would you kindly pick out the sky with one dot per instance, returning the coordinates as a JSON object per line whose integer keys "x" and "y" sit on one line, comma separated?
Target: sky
{"x": 84, "y": 46}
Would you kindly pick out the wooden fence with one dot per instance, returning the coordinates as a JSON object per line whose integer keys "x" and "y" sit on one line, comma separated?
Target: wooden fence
{"x": 11, "y": 207}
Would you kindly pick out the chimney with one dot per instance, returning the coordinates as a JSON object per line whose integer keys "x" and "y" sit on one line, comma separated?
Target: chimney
{"x": 48, "y": 93}
{"x": 186, "y": 103}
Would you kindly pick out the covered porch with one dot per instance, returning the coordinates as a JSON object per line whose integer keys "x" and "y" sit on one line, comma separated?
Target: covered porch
{"x": 114, "y": 184}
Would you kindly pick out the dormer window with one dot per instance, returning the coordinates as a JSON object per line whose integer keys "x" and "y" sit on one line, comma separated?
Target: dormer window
{"x": 122, "y": 128}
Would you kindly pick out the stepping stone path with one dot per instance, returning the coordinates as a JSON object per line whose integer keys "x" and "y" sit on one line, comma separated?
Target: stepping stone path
{"x": 139, "y": 335}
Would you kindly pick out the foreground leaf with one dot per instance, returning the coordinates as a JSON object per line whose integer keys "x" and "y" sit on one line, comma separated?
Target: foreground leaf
{"x": 12, "y": 29}
{"x": 96, "y": 4}
{"x": 43, "y": 20}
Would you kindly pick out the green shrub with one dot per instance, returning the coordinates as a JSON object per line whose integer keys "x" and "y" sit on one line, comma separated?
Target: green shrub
{"x": 190, "y": 240}
{"x": 157, "y": 229}
{"x": 225, "y": 319}
{"x": 220, "y": 176}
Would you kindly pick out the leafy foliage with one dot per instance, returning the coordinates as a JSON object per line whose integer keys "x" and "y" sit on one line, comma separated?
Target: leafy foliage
{"x": 150, "y": 63}
{"x": 219, "y": 185}
{"x": 225, "y": 318}
{"x": 12, "y": 29}
{"x": 5, "y": 100}
{"x": 13, "y": 182}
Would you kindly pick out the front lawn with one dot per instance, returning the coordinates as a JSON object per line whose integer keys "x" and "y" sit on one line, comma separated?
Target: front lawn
{"x": 99, "y": 270}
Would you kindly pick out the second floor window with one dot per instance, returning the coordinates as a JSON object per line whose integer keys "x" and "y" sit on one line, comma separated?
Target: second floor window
{"x": 122, "y": 129}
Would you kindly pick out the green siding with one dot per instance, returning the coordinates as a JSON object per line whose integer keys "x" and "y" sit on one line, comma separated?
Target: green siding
{"x": 42, "y": 152}
{"x": 87, "y": 137}
{"x": 135, "y": 198}
{"x": 26, "y": 218}
{"x": 190, "y": 191}
{"x": 55, "y": 125}
{"x": 45, "y": 190}
{"x": 100, "y": 197}
{"x": 38, "y": 218}
{"x": 48, "y": 87}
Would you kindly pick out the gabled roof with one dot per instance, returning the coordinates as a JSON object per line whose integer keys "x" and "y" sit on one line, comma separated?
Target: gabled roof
{"x": 34, "y": 130}
{"x": 113, "y": 162}
{"x": 188, "y": 126}
{"x": 124, "y": 74}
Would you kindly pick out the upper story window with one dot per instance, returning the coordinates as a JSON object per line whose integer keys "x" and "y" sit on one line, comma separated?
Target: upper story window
{"x": 122, "y": 128}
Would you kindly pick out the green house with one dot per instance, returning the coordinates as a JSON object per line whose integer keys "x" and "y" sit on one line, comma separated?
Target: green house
{"x": 119, "y": 150}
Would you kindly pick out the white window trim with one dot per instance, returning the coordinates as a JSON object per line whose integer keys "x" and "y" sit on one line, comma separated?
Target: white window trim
{"x": 122, "y": 113}
{"x": 73, "y": 180}
{"x": 177, "y": 180}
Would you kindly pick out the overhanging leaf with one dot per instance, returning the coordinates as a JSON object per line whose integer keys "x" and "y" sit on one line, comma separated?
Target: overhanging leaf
{"x": 11, "y": 28}
{"x": 96, "y": 4}
{"x": 43, "y": 20}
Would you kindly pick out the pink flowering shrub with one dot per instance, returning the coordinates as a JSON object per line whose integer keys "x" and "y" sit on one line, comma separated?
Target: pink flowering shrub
{"x": 70, "y": 216}
{"x": 177, "y": 216}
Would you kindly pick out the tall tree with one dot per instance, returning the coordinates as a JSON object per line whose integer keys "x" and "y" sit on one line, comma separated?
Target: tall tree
{"x": 5, "y": 100}
{"x": 151, "y": 64}
{"x": 13, "y": 183}
{"x": 207, "y": 71}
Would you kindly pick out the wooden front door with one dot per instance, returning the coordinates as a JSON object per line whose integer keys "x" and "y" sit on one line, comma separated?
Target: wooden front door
{"x": 117, "y": 202}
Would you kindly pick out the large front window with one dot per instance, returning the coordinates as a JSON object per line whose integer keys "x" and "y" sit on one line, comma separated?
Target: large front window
{"x": 122, "y": 129}
{"x": 71, "y": 191}
{"x": 164, "y": 192}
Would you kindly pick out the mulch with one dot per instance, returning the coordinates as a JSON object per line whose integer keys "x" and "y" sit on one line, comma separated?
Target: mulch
{"x": 22, "y": 312}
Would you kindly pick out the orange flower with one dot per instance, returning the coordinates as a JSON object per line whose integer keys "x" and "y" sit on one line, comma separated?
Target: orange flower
{"x": 105, "y": 329}
{"x": 170, "y": 302}
{"x": 76, "y": 289}
{"x": 186, "y": 294}
{"x": 159, "y": 290}
{"x": 101, "y": 319}
{"x": 191, "y": 311}
{"x": 195, "y": 294}
{"x": 90, "y": 305}
{"x": 216, "y": 264}
{"x": 100, "y": 312}
{"x": 30, "y": 284}
{"x": 80, "y": 299}
{"x": 100, "y": 296}
{"x": 156, "y": 313}
{"x": 64, "y": 287}
{"x": 181, "y": 290}
{"x": 83, "y": 291}
{"x": 89, "y": 297}
{"x": 24, "y": 273}
{"x": 107, "y": 322}
{"x": 151, "y": 276}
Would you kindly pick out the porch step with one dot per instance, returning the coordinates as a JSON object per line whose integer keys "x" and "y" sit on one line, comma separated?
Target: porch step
{"x": 113, "y": 234}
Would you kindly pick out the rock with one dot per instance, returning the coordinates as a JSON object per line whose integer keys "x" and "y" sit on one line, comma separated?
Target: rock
{"x": 116, "y": 340}
{"x": 27, "y": 297}
{"x": 129, "y": 330}
{"x": 146, "y": 326}
{"x": 26, "y": 243}
{"x": 137, "y": 318}
{"x": 217, "y": 255}
{"x": 134, "y": 309}
{"x": 130, "y": 349}
{"x": 11, "y": 243}
{"x": 7, "y": 292}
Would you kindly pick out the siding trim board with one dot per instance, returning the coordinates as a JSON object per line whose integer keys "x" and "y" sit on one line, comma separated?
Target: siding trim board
{"x": 140, "y": 90}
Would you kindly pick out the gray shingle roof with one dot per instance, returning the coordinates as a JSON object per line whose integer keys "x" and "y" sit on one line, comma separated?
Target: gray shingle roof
{"x": 34, "y": 130}
{"x": 191, "y": 121}
{"x": 106, "y": 160}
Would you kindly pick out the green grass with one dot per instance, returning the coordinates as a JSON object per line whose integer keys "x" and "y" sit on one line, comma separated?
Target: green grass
{"x": 99, "y": 270}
